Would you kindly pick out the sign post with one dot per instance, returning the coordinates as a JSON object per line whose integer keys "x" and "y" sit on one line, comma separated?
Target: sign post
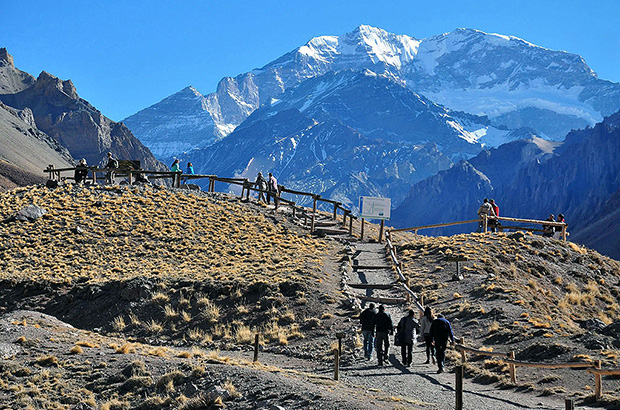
{"x": 372, "y": 207}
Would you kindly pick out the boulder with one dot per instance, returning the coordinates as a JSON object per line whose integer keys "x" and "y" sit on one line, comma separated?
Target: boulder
{"x": 612, "y": 330}
{"x": 214, "y": 392}
{"x": 594, "y": 325}
{"x": 29, "y": 213}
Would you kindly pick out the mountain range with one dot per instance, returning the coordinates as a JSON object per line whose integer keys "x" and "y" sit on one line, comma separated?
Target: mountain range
{"x": 514, "y": 83}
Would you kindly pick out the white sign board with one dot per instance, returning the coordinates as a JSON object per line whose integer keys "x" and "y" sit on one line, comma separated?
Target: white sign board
{"x": 375, "y": 208}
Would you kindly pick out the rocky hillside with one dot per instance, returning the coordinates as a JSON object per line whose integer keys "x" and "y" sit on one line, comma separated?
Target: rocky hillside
{"x": 166, "y": 289}
{"x": 25, "y": 151}
{"x": 59, "y": 112}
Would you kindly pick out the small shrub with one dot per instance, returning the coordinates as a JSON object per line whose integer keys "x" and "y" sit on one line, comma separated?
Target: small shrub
{"x": 76, "y": 350}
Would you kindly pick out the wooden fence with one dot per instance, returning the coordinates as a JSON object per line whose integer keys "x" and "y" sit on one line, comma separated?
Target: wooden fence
{"x": 509, "y": 358}
{"x": 246, "y": 187}
{"x": 485, "y": 225}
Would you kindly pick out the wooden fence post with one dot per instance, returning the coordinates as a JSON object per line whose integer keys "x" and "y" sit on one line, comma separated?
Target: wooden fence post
{"x": 512, "y": 367}
{"x": 313, "y": 214}
{"x": 463, "y": 354}
{"x": 381, "y": 231}
{"x": 94, "y": 176}
{"x": 336, "y": 365}
{"x": 569, "y": 404}
{"x": 130, "y": 176}
{"x": 335, "y": 210}
{"x": 598, "y": 382}
{"x": 564, "y": 233}
{"x": 256, "y": 347}
{"x": 485, "y": 223}
{"x": 458, "y": 387}
{"x": 362, "y": 231}
{"x": 351, "y": 226}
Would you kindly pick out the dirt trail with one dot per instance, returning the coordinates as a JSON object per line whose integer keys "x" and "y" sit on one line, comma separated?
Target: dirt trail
{"x": 420, "y": 383}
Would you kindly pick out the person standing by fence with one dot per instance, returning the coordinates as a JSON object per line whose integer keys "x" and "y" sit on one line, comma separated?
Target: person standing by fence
{"x": 494, "y": 222}
{"x": 384, "y": 327}
{"x": 441, "y": 332}
{"x": 367, "y": 320}
{"x": 485, "y": 209}
{"x": 261, "y": 183}
{"x": 272, "y": 187}
{"x": 81, "y": 172}
{"x": 407, "y": 327}
{"x": 175, "y": 167}
{"x": 111, "y": 165}
{"x": 425, "y": 330}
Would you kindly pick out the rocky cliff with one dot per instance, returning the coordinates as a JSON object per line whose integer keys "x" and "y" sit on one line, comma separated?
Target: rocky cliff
{"x": 59, "y": 112}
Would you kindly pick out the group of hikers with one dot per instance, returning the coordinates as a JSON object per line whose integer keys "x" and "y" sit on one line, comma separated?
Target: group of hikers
{"x": 377, "y": 326}
{"x": 490, "y": 209}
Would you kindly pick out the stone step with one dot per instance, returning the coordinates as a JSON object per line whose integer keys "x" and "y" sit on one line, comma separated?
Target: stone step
{"x": 385, "y": 301}
{"x": 372, "y": 285}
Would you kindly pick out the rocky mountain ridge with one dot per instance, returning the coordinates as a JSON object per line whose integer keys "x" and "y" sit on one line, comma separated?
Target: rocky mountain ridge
{"x": 578, "y": 178}
{"x": 58, "y": 111}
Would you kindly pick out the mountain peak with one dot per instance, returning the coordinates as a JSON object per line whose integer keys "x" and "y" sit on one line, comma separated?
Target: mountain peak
{"x": 5, "y": 58}
{"x": 49, "y": 81}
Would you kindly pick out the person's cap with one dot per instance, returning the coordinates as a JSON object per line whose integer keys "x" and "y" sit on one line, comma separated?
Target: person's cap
{"x": 372, "y": 305}
{"x": 381, "y": 308}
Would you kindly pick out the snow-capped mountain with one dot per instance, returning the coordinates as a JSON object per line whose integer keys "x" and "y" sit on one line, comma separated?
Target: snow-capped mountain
{"x": 511, "y": 81}
{"x": 346, "y": 134}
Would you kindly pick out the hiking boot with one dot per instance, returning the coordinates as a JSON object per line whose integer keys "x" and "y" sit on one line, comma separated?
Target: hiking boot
{"x": 440, "y": 370}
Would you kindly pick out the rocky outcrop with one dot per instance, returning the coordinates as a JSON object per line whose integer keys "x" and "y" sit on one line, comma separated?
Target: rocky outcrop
{"x": 59, "y": 112}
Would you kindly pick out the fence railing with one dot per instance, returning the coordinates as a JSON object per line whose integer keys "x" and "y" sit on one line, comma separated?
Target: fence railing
{"x": 246, "y": 187}
{"x": 484, "y": 224}
{"x": 509, "y": 358}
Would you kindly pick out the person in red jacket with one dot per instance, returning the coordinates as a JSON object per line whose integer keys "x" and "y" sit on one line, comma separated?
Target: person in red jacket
{"x": 494, "y": 223}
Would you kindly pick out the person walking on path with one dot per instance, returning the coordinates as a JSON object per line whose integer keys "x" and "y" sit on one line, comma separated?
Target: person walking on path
{"x": 425, "y": 330}
{"x": 485, "y": 209}
{"x": 407, "y": 327}
{"x": 111, "y": 165}
{"x": 441, "y": 332}
{"x": 384, "y": 327}
{"x": 367, "y": 320}
{"x": 272, "y": 187}
{"x": 261, "y": 183}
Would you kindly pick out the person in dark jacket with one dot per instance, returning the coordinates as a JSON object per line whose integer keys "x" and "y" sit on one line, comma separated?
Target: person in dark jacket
{"x": 81, "y": 172}
{"x": 548, "y": 229}
{"x": 261, "y": 183}
{"x": 408, "y": 328}
{"x": 441, "y": 332}
{"x": 384, "y": 327}
{"x": 367, "y": 320}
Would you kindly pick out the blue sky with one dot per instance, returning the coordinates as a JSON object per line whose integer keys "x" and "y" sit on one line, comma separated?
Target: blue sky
{"x": 126, "y": 55}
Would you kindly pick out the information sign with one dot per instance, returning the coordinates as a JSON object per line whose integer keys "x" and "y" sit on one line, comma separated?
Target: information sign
{"x": 375, "y": 208}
